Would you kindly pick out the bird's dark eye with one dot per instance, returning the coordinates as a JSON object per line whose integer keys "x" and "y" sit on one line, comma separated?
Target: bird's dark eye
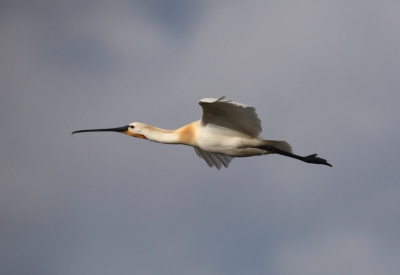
{"x": 131, "y": 126}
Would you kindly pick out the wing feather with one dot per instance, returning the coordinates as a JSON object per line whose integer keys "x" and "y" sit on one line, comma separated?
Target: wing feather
{"x": 224, "y": 159}
{"x": 213, "y": 159}
{"x": 231, "y": 115}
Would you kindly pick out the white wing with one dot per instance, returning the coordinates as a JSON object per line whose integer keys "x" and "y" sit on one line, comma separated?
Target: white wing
{"x": 213, "y": 159}
{"x": 231, "y": 115}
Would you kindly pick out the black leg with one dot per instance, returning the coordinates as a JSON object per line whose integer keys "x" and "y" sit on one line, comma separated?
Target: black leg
{"x": 309, "y": 159}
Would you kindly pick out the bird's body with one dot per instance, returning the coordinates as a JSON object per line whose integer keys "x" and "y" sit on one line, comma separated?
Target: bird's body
{"x": 226, "y": 130}
{"x": 206, "y": 137}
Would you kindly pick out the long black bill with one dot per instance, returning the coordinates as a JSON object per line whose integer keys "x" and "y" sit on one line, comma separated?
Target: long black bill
{"x": 118, "y": 129}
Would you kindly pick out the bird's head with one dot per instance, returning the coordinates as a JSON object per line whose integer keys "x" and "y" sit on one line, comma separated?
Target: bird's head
{"x": 134, "y": 129}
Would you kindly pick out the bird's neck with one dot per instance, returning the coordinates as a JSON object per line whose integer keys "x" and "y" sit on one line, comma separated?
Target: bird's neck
{"x": 184, "y": 135}
{"x": 161, "y": 135}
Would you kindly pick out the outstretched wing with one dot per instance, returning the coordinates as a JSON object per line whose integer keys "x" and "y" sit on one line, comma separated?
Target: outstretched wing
{"x": 213, "y": 159}
{"x": 231, "y": 115}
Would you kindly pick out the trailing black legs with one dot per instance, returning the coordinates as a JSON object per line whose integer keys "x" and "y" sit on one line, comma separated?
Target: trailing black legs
{"x": 309, "y": 159}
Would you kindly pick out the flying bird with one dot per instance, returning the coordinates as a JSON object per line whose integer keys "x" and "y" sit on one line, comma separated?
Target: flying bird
{"x": 226, "y": 130}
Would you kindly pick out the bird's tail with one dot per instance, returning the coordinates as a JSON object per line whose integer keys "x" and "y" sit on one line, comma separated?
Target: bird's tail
{"x": 281, "y": 145}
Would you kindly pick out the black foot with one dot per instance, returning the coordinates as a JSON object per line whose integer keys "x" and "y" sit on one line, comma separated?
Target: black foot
{"x": 316, "y": 160}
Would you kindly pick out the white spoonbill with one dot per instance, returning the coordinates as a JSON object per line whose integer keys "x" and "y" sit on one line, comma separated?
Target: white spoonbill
{"x": 227, "y": 130}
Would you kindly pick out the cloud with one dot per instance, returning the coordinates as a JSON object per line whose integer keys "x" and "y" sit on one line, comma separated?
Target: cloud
{"x": 337, "y": 251}
{"x": 321, "y": 75}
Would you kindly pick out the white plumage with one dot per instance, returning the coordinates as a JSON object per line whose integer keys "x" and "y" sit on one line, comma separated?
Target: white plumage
{"x": 231, "y": 115}
{"x": 226, "y": 130}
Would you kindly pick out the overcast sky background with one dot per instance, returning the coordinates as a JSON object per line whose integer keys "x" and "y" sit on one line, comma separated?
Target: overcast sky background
{"x": 323, "y": 75}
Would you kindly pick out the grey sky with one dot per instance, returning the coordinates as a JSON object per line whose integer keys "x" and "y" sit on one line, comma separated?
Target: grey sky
{"x": 322, "y": 76}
